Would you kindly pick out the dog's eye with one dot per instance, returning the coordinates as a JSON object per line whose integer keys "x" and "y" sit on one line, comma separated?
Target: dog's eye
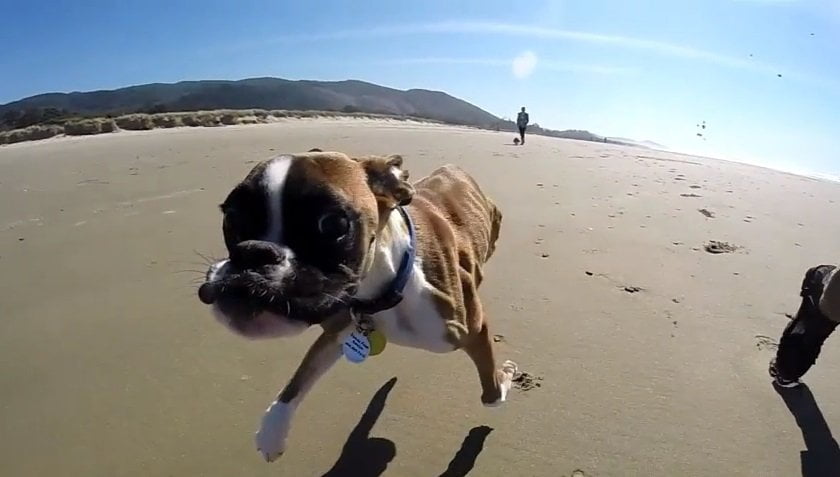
{"x": 333, "y": 225}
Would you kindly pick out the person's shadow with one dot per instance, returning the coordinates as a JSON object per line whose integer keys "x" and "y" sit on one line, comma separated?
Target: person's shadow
{"x": 822, "y": 455}
{"x": 365, "y": 456}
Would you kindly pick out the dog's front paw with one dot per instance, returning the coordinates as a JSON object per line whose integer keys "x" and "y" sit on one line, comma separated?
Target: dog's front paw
{"x": 274, "y": 429}
{"x": 507, "y": 373}
{"x": 504, "y": 381}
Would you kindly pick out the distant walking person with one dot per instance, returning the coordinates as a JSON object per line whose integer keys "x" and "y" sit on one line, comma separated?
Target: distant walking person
{"x": 817, "y": 317}
{"x": 522, "y": 120}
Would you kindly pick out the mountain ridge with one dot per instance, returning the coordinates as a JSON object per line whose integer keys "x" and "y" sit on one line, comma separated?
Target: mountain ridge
{"x": 264, "y": 93}
{"x": 269, "y": 93}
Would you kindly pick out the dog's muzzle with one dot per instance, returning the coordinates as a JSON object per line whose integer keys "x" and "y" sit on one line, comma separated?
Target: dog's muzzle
{"x": 247, "y": 255}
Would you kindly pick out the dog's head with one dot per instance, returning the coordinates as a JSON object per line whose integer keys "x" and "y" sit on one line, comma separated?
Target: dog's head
{"x": 300, "y": 231}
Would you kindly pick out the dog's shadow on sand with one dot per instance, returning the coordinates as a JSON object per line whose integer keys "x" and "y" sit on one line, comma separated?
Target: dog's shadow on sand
{"x": 464, "y": 459}
{"x": 365, "y": 456}
{"x": 822, "y": 455}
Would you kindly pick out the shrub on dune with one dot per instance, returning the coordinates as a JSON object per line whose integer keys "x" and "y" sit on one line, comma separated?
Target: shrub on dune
{"x": 166, "y": 121}
{"x": 208, "y": 119}
{"x": 107, "y": 125}
{"x": 229, "y": 118}
{"x": 32, "y": 133}
{"x": 83, "y": 127}
{"x": 135, "y": 122}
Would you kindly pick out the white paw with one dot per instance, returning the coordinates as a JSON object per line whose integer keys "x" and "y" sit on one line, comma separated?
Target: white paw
{"x": 507, "y": 373}
{"x": 509, "y": 370}
{"x": 274, "y": 429}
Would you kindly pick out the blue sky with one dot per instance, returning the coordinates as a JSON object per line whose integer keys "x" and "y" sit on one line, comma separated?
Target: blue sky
{"x": 639, "y": 69}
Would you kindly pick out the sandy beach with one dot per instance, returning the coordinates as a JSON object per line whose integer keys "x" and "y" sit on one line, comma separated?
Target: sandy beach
{"x": 652, "y": 352}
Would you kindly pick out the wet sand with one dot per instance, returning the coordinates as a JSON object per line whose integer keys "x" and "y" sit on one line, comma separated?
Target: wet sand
{"x": 652, "y": 351}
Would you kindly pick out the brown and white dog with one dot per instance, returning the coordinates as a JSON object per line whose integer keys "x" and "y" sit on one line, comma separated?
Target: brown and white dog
{"x": 309, "y": 235}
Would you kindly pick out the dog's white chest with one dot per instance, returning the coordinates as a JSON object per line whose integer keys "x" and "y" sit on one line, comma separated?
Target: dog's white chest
{"x": 416, "y": 322}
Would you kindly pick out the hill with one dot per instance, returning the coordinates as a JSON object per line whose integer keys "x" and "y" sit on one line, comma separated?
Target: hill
{"x": 262, "y": 93}
{"x": 54, "y": 111}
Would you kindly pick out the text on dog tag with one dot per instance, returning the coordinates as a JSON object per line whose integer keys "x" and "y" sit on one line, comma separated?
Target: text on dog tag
{"x": 356, "y": 347}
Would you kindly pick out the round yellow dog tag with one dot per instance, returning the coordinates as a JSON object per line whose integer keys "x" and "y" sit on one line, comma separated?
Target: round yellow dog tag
{"x": 377, "y": 342}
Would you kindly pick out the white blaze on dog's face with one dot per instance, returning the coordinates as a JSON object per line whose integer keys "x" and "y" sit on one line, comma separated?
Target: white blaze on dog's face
{"x": 300, "y": 231}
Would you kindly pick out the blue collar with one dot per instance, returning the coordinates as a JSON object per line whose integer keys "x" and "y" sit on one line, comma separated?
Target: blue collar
{"x": 394, "y": 294}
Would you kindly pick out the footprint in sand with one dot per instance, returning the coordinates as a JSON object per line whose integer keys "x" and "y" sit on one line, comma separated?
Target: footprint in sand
{"x": 716, "y": 247}
{"x": 690, "y": 195}
{"x": 526, "y": 381}
{"x": 763, "y": 342}
{"x": 708, "y": 213}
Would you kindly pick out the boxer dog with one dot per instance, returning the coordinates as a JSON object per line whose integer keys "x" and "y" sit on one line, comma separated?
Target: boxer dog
{"x": 350, "y": 245}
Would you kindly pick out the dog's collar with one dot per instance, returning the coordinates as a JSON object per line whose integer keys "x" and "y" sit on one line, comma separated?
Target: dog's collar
{"x": 394, "y": 294}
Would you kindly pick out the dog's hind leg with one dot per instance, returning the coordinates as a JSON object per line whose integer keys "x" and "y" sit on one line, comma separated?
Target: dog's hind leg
{"x": 495, "y": 383}
{"x": 277, "y": 420}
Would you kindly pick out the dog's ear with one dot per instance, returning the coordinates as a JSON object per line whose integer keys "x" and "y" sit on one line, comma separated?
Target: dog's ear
{"x": 388, "y": 180}
{"x": 315, "y": 149}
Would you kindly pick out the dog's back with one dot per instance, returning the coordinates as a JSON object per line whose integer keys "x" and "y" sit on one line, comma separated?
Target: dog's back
{"x": 452, "y": 193}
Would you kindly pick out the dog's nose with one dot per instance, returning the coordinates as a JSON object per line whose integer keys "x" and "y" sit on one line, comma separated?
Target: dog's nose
{"x": 207, "y": 293}
{"x": 252, "y": 254}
